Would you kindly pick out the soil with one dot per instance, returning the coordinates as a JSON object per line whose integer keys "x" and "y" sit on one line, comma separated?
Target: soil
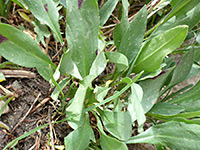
{"x": 28, "y": 91}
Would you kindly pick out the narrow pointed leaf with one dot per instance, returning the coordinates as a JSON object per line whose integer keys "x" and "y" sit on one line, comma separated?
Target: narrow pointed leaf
{"x": 132, "y": 39}
{"x": 107, "y": 10}
{"x": 183, "y": 69}
{"x": 189, "y": 100}
{"x": 121, "y": 28}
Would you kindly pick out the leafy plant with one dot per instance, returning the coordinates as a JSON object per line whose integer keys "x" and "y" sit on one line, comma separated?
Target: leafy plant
{"x": 145, "y": 55}
{"x": 5, "y": 7}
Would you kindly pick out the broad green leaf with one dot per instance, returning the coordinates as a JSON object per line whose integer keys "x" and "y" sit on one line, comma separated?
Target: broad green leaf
{"x": 21, "y": 49}
{"x": 186, "y": 16}
{"x": 118, "y": 124}
{"x": 175, "y": 135}
{"x": 166, "y": 109}
{"x": 77, "y": 105}
{"x": 79, "y": 139}
{"x": 119, "y": 59}
{"x": 99, "y": 64}
{"x": 135, "y": 107}
{"x": 107, "y": 10}
{"x": 68, "y": 66}
{"x": 121, "y": 28}
{"x": 153, "y": 52}
{"x": 107, "y": 142}
{"x": 46, "y": 12}
{"x": 151, "y": 89}
{"x": 190, "y": 100}
{"x": 82, "y": 33}
{"x": 182, "y": 70}
{"x": 133, "y": 37}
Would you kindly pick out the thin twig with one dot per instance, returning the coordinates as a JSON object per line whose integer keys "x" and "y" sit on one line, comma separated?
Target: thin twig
{"x": 51, "y": 130}
{"x": 40, "y": 104}
{"x": 17, "y": 73}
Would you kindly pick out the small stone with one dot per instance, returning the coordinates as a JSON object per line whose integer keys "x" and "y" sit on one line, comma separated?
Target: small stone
{"x": 16, "y": 85}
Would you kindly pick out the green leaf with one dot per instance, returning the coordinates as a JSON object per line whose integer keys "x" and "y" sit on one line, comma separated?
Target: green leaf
{"x": 99, "y": 64}
{"x": 82, "y": 33}
{"x": 133, "y": 37}
{"x": 101, "y": 92}
{"x": 153, "y": 52}
{"x": 118, "y": 124}
{"x": 194, "y": 71}
{"x": 116, "y": 95}
{"x": 79, "y": 139}
{"x": 121, "y": 28}
{"x": 77, "y": 105}
{"x": 2, "y": 78}
{"x": 62, "y": 85}
{"x": 21, "y": 49}
{"x": 189, "y": 100}
{"x": 181, "y": 8}
{"x": 107, "y": 142}
{"x": 151, "y": 89}
{"x": 187, "y": 15}
{"x": 135, "y": 107}
{"x": 182, "y": 70}
{"x": 119, "y": 59}
{"x": 165, "y": 109}
{"x": 46, "y": 12}
{"x": 68, "y": 66}
{"x": 42, "y": 32}
{"x": 107, "y": 10}
{"x": 175, "y": 135}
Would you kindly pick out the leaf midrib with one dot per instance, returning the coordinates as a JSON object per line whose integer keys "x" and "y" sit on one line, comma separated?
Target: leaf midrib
{"x": 145, "y": 58}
